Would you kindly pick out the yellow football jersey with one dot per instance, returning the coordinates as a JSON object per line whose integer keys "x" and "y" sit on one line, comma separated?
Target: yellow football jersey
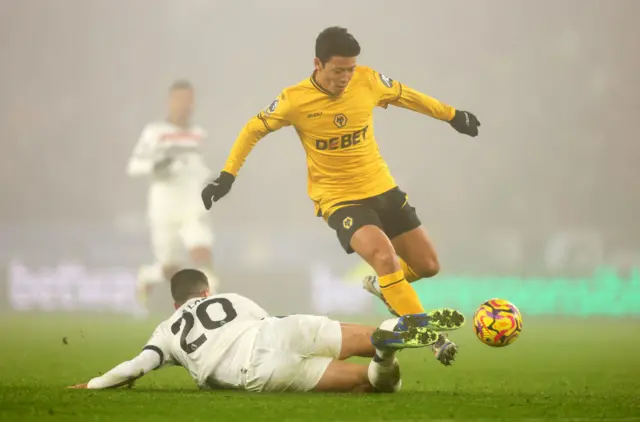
{"x": 336, "y": 131}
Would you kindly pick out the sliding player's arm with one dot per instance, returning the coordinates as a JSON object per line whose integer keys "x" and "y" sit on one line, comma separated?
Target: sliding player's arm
{"x": 393, "y": 92}
{"x": 144, "y": 160}
{"x": 153, "y": 356}
{"x": 126, "y": 373}
{"x": 274, "y": 117}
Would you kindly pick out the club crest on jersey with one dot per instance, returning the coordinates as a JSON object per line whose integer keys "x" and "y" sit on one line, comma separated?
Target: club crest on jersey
{"x": 388, "y": 82}
{"x": 340, "y": 120}
{"x": 272, "y": 107}
{"x": 347, "y": 223}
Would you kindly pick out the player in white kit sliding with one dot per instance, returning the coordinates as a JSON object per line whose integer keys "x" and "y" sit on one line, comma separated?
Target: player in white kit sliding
{"x": 168, "y": 152}
{"x": 228, "y": 341}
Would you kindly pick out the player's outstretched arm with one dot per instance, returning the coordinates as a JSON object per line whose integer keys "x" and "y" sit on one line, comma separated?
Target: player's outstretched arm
{"x": 274, "y": 117}
{"x": 249, "y": 136}
{"x": 394, "y": 93}
{"x": 462, "y": 121}
{"x": 126, "y": 373}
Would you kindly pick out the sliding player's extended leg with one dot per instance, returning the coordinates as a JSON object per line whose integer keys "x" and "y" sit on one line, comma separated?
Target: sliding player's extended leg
{"x": 344, "y": 377}
{"x": 307, "y": 352}
{"x": 408, "y": 331}
{"x": 382, "y": 374}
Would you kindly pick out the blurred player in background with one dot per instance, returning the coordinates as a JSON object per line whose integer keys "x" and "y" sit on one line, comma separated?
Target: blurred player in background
{"x": 348, "y": 180}
{"x": 169, "y": 153}
{"x": 229, "y": 342}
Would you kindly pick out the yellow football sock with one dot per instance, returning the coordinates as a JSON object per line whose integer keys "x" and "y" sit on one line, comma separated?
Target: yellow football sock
{"x": 399, "y": 294}
{"x": 409, "y": 274}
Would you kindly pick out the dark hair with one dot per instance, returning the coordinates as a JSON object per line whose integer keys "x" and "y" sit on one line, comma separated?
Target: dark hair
{"x": 187, "y": 284}
{"x": 336, "y": 41}
{"x": 180, "y": 84}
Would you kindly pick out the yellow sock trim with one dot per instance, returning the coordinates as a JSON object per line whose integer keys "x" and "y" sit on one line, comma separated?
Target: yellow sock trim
{"x": 409, "y": 274}
{"x": 389, "y": 279}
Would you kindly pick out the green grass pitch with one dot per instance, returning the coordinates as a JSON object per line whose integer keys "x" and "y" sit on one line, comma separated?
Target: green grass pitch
{"x": 559, "y": 369}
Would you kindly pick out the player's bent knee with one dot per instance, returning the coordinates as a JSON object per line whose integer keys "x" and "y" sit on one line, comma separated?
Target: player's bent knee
{"x": 374, "y": 246}
{"x": 385, "y": 261}
{"x": 429, "y": 267}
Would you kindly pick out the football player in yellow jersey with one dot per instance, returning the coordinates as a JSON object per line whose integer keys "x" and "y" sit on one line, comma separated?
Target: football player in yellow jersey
{"x": 348, "y": 180}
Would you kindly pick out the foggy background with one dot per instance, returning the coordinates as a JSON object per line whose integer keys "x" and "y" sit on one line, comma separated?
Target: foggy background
{"x": 550, "y": 188}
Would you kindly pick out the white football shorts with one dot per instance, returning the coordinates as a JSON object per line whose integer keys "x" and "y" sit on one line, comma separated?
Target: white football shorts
{"x": 292, "y": 353}
{"x": 169, "y": 239}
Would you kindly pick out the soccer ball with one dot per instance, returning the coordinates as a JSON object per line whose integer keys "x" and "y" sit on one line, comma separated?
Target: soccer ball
{"x": 497, "y": 323}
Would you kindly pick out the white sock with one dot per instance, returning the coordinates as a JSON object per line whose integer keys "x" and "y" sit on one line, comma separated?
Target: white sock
{"x": 389, "y": 324}
{"x": 387, "y": 354}
{"x": 384, "y": 376}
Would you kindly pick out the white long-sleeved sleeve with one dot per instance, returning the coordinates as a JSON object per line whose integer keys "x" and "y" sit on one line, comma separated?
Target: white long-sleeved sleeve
{"x": 138, "y": 167}
{"x": 128, "y": 371}
{"x": 143, "y": 158}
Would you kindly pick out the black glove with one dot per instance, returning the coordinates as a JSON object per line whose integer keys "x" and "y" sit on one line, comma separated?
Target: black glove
{"x": 465, "y": 122}
{"x": 217, "y": 189}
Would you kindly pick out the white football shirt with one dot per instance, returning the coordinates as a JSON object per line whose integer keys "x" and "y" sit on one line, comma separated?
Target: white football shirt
{"x": 210, "y": 337}
{"x": 184, "y": 175}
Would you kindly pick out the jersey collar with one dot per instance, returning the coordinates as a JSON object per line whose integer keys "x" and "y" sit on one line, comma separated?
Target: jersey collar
{"x": 188, "y": 127}
{"x": 317, "y": 86}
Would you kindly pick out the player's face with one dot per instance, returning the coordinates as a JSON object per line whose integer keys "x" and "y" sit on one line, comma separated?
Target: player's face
{"x": 336, "y": 73}
{"x": 181, "y": 104}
